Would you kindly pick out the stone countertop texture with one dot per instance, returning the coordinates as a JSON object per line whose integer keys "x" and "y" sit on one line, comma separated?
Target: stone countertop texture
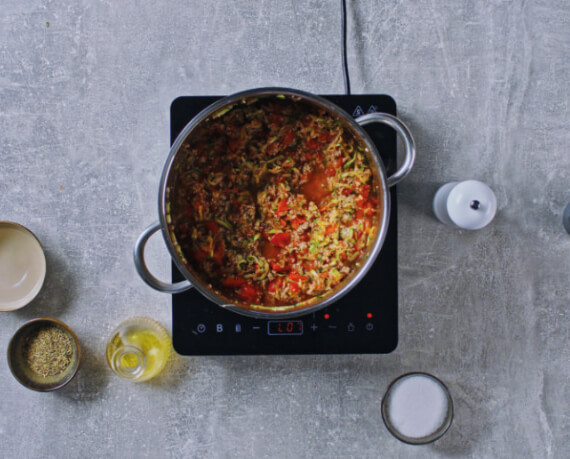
{"x": 85, "y": 90}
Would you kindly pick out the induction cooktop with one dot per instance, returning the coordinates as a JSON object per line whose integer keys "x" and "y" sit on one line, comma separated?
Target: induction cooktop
{"x": 364, "y": 321}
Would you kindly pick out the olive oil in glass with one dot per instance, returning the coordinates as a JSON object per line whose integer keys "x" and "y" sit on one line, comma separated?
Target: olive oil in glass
{"x": 138, "y": 349}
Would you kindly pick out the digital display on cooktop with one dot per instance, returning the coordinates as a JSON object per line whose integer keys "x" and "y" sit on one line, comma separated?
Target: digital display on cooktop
{"x": 364, "y": 321}
{"x": 281, "y": 328}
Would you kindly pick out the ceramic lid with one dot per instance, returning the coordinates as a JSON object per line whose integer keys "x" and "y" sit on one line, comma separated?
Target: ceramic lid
{"x": 471, "y": 205}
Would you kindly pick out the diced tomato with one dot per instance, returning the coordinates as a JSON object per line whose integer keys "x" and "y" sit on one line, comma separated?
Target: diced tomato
{"x": 304, "y": 176}
{"x": 294, "y": 288}
{"x": 278, "y": 268}
{"x": 365, "y": 191}
{"x": 281, "y": 239}
{"x": 312, "y": 144}
{"x": 288, "y": 138}
{"x": 308, "y": 156}
{"x": 283, "y": 207}
{"x": 248, "y": 292}
{"x": 331, "y": 229}
{"x": 369, "y": 206}
{"x": 269, "y": 251}
{"x": 359, "y": 213}
{"x": 212, "y": 226}
{"x": 233, "y": 281}
{"x": 296, "y": 277}
{"x": 330, "y": 171}
{"x": 340, "y": 162}
{"x": 274, "y": 285}
{"x": 346, "y": 191}
{"x": 297, "y": 221}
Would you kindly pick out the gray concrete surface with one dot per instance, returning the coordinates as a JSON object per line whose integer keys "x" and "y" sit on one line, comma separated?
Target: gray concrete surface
{"x": 85, "y": 88}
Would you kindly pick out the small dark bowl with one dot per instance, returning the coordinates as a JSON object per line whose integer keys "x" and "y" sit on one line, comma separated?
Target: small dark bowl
{"x": 22, "y": 371}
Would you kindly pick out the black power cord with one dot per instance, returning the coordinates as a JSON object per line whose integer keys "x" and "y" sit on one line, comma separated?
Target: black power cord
{"x": 344, "y": 59}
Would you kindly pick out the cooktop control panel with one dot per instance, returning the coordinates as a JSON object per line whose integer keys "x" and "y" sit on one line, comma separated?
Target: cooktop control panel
{"x": 364, "y": 321}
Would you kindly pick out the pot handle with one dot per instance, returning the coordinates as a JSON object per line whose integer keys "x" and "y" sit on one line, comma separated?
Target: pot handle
{"x": 404, "y": 132}
{"x": 142, "y": 268}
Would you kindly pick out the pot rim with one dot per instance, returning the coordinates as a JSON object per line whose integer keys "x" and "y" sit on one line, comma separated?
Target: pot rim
{"x": 287, "y": 311}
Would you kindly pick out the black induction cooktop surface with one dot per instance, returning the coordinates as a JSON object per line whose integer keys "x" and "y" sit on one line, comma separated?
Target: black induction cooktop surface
{"x": 364, "y": 321}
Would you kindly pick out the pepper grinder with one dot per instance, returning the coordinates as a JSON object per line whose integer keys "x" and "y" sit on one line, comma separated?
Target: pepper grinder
{"x": 470, "y": 204}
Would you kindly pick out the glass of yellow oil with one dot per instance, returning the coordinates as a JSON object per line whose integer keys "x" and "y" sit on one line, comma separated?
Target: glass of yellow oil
{"x": 138, "y": 349}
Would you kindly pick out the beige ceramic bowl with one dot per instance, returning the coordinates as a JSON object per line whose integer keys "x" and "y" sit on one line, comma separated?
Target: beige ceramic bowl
{"x": 22, "y": 266}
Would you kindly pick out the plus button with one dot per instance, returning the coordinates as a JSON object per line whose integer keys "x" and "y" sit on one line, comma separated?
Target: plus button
{"x": 314, "y": 327}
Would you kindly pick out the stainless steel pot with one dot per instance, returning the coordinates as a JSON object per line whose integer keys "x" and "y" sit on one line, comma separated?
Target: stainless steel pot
{"x": 383, "y": 182}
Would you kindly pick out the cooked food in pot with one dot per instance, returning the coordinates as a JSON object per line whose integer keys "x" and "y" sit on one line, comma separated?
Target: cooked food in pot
{"x": 272, "y": 202}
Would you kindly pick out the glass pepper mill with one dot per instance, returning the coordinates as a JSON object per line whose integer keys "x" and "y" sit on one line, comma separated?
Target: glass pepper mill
{"x": 138, "y": 349}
